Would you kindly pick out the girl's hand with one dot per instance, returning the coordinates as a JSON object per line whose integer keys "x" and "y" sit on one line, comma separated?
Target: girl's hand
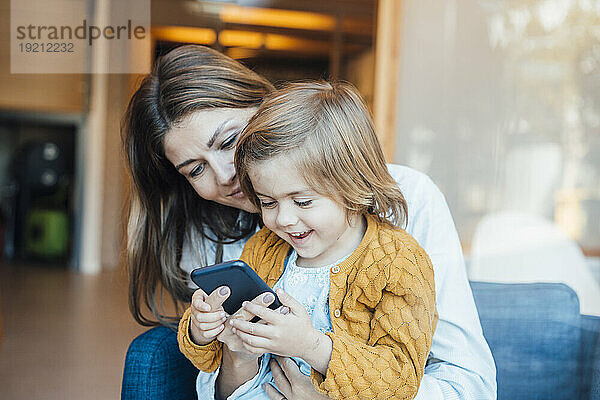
{"x": 292, "y": 384}
{"x": 207, "y": 315}
{"x": 232, "y": 341}
{"x": 238, "y": 365}
{"x": 290, "y": 334}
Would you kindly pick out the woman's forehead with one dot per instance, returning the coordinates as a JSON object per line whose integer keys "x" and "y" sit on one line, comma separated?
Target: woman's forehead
{"x": 214, "y": 116}
{"x": 204, "y": 127}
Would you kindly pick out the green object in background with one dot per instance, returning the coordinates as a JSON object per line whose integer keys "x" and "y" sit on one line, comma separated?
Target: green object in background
{"x": 47, "y": 233}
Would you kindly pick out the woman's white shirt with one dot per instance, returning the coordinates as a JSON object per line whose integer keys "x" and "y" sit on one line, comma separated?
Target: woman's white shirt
{"x": 461, "y": 364}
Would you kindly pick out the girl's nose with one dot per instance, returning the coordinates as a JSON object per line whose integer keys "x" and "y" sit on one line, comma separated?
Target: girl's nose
{"x": 286, "y": 216}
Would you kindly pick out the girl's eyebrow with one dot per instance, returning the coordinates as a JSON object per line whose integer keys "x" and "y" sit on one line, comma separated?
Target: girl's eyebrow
{"x": 284, "y": 195}
{"x": 209, "y": 144}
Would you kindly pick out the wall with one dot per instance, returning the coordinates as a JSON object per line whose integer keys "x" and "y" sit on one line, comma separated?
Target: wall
{"x": 360, "y": 69}
{"x": 36, "y": 92}
{"x": 120, "y": 88}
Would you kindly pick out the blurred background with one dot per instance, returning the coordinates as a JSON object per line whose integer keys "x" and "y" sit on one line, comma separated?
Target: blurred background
{"x": 498, "y": 101}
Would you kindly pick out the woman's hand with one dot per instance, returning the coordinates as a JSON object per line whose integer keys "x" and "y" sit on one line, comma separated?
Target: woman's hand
{"x": 290, "y": 334}
{"x": 292, "y": 384}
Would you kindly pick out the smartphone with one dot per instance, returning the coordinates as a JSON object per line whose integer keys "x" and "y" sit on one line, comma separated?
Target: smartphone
{"x": 243, "y": 281}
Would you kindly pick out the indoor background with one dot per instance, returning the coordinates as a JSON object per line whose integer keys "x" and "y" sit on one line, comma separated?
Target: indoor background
{"x": 498, "y": 101}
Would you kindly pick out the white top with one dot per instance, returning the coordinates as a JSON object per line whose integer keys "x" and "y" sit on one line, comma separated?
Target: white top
{"x": 466, "y": 369}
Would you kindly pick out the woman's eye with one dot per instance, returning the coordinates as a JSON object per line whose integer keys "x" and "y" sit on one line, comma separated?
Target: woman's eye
{"x": 303, "y": 203}
{"x": 267, "y": 204}
{"x": 197, "y": 170}
{"x": 230, "y": 142}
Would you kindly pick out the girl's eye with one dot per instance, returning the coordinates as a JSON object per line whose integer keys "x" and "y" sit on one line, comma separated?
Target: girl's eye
{"x": 267, "y": 204}
{"x": 230, "y": 142}
{"x": 197, "y": 170}
{"x": 303, "y": 203}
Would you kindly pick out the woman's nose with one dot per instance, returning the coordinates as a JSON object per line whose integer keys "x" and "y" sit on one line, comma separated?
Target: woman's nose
{"x": 224, "y": 172}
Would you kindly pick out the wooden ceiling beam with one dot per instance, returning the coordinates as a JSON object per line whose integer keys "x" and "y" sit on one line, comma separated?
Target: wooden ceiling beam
{"x": 348, "y": 37}
{"x": 361, "y": 8}
{"x": 349, "y": 50}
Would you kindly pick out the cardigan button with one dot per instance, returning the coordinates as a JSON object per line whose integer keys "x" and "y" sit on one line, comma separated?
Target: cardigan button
{"x": 335, "y": 269}
{"x": 337, "y": 313}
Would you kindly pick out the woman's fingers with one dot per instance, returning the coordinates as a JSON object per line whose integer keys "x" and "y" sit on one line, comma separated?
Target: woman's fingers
{"x": 281, "y": 380}
{"x": 273, "y": 393}
{"x": 290, "y": 368}
{"x": 254, "y": 349}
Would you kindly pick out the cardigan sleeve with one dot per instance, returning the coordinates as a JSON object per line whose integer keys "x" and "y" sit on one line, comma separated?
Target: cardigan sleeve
{"x": 208, "y": 357}
{"x": 390, "y": 365}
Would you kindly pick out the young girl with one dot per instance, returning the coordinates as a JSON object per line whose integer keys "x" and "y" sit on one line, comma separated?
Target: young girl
{"x": 358, "y": 294}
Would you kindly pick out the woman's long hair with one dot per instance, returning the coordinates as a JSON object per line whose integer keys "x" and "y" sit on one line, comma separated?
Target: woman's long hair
{"x": 164, "y": 209}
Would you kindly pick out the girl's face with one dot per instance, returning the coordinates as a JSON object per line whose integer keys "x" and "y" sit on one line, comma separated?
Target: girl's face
{"x": 202, "y": 146}
{"x": 314, "y": 225}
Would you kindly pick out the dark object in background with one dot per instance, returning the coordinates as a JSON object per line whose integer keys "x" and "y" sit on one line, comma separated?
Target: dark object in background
{"x": 2, "y": 232}
{"x": 41, "y": 174}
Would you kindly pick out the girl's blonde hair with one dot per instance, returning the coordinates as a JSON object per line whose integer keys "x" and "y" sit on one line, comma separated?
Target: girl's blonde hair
{"x": 326, "y": 132}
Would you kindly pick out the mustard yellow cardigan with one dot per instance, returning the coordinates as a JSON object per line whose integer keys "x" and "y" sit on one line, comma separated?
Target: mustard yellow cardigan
{"x": 382, "y": 305}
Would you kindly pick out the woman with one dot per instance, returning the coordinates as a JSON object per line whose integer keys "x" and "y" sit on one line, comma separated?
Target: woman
{"x": 187, "y": 210}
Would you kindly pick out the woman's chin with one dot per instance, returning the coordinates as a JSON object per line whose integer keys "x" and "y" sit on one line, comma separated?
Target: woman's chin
{"x": 242, "y": 203}
{"x": 249, "y": 207}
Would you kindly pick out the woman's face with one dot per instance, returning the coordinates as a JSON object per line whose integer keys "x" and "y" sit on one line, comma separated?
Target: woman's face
{"x": 202, "y": 146}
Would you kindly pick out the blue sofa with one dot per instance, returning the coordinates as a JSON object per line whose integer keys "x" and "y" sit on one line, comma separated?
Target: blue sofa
{"x": 543, "y": 348}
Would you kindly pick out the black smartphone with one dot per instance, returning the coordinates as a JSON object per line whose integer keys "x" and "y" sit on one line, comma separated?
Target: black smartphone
{"x": 243, "y": 281}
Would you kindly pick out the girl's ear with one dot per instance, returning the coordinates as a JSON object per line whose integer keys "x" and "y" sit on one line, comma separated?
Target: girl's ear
{"x": 352, "y": 217}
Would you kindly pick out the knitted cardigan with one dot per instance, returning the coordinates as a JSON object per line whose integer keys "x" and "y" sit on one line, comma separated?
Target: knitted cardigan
{"x": 382, "y": 306}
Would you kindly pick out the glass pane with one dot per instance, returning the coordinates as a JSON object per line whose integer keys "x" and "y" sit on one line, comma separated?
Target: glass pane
{"x": 500, "y": 104}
